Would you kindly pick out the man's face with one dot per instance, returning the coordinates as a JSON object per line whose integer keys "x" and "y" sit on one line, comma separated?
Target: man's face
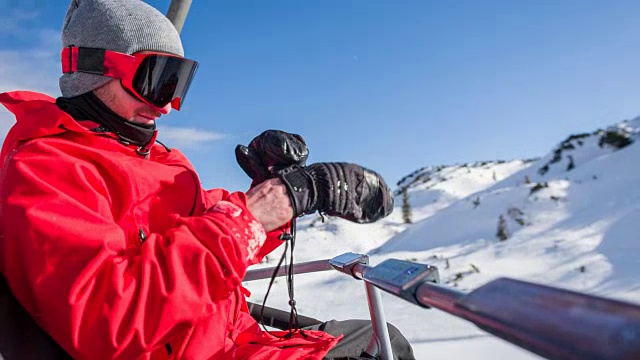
{"x": 122, "y": 103}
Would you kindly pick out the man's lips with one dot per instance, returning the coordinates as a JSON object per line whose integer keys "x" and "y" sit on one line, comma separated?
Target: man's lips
{"x": 149, "y": 117}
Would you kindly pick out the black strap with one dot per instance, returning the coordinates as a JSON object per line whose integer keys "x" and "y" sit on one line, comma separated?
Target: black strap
{"x": 90, "y": 60}
{"x": 293, "y": 323}
{"x": 301, "y": 189}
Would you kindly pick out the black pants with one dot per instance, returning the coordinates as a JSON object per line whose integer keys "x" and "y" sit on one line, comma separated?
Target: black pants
{"x": 357, "y": 336}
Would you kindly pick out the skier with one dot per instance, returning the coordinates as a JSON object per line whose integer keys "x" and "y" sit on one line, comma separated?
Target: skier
{"x": 107, "y": 238}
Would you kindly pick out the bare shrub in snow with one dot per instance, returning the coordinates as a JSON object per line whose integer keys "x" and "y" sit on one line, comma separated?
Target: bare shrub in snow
{"x": 538, "y": 187}
{"x": 503, "y": 232}
{"x": 461, "y": 274}
{"x": 543, "y": 170}
{"x": 517, "y": 215}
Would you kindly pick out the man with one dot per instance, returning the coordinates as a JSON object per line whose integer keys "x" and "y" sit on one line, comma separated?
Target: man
{"x": 107, "y": 238}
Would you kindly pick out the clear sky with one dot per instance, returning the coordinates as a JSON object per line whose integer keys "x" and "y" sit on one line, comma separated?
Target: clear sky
{"x": 393, "y": 85}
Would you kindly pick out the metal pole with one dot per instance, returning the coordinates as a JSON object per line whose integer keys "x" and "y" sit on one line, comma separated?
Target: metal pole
{"x": 302, "y": 268}
{"x": 551, "y": 322}
{"x": 177, "y": 13}
{"x": 358, "y": 270}
{"x": 439, "y": 297}
{"x": 379, "y": 324}
{"x": 356, "y": 266}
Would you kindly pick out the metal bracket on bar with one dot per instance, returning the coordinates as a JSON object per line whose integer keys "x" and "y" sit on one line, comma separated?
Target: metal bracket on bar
{"x": 346, "y": 262}
{"x": 401, "y": 278}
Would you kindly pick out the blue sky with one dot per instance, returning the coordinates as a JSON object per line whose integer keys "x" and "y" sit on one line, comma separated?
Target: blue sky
{"x": 392, "y": 85}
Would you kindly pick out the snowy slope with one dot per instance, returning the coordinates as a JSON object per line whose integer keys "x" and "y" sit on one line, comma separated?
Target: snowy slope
{"x": 572, "y": 218}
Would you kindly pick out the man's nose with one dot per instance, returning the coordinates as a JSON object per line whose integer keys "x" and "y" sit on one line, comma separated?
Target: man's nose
{"x": 166, "y": 109}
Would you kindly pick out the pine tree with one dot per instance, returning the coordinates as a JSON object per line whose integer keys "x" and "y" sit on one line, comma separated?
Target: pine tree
{"x": 406, "y": 208}
{"x": 503, "y": 233}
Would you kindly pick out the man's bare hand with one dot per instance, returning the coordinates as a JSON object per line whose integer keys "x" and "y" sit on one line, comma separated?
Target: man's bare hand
{"x": 269, "y": 202}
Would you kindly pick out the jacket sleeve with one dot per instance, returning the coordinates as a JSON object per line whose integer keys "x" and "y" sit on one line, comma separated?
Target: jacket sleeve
{"x": 273, "y": 240}
{"x": 97, "y": 292}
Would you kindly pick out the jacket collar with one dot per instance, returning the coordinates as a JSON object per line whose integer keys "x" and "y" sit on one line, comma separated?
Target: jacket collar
{"x": 37, "y": 115}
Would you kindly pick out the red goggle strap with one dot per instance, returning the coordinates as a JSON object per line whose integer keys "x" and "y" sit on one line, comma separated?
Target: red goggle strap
{"x": 96, "y": 61}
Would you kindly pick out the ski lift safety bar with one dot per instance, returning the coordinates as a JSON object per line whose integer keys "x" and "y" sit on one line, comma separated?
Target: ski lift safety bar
{"x": 551, "y": 322}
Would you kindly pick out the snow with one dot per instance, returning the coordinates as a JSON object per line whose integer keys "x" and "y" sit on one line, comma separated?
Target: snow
{"x": 571, "y": 228}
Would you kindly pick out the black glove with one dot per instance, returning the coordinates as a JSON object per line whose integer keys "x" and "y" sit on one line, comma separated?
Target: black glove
{"x": 272, "y": 148}
{"x": 344, "y": 190}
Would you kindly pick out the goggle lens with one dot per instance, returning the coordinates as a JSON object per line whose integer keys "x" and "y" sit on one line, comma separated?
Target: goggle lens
{"x": 162, "y": 79}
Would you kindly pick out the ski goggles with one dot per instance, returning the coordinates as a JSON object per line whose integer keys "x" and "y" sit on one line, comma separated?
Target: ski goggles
{"x": 152, "y": 77}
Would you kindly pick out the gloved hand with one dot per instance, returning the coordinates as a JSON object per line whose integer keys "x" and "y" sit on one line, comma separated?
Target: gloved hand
{"x": 345, "y": 190}
{"x": 272, "y": 148}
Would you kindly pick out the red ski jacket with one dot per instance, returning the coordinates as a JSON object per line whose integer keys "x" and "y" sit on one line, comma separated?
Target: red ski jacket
{"x": 121, "y": 255}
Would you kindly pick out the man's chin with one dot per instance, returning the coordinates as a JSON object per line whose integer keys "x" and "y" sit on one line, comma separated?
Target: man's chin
{"x": 143, "y": 120}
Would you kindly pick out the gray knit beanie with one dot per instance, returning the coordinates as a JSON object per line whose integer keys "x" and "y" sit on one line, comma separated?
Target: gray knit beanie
{"x": 125, "y": 26}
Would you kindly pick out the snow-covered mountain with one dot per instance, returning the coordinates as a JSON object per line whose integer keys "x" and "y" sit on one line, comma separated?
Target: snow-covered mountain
{"x": 569, "y": 219}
